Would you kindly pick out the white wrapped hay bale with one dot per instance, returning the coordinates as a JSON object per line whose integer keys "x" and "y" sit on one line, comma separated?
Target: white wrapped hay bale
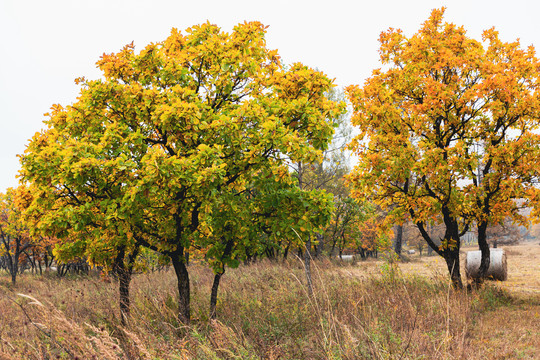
{"x": 497, "y": 264}
{"x": 346, "y": 258}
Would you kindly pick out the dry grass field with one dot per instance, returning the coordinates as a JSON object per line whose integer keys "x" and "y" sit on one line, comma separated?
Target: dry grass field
{"x": 523, "y": 267}
{"x": 515, "y": 327}
{"x": 509, "y": 332}
{"x": 373, "y": 309}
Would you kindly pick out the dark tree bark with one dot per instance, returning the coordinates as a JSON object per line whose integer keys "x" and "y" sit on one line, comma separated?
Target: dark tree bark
{"x": 124, "y": 277}
{"x": 124, "y": 273}
{"x": 182, "y": 275}
{"x": 452, "y": 262}
{"x": 450, "y": 252}
{"x": 217, "y": 277}
{"x": 14, "y": 270}
{"x": 214, "y": 294}
{"x": 286, "y": 251}
{"x": 307, "y": 253}
{"x": 10, "y": 268}
{"x": 320, "y": 245}
{"x": 46, "y": 260}
{"x": 362, "y": 253}
{"x": 398, "y": 240}
{"x": 333, "y": 248}
{"x": 485, "y": 253}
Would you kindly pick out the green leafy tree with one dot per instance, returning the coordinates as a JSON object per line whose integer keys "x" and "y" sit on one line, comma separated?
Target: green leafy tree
{"x": 265, "y": 212}
{"x": 179, "y": 124}
{"x": 78, "y": 206}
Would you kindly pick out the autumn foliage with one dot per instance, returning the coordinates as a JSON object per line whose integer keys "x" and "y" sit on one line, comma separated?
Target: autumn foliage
{"x": 198, "y": 155}
{"x": 449, "y": 131}
{"x": 161, "y": 152}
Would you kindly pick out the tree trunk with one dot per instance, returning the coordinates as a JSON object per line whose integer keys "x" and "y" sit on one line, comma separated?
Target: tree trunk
{"x": 14, "y": 270}
{"x": 124, "y": 277}
{"x": 451, "y": 256}
{"x": 10, "y": 268}
{"x": 33, "y": 266}
{"x": 217, "y": 277}
{"x": 124, "y": 280}
{"x": 362, "y": 253}
{"x": 46, "y": 260}
{"x": 286, "y": 252}
{"x": 214, "y": 293}
{"x": 320, "y": 245}
{"x": 182, "y": 277}
{"x": 333, "y": 248}
{"x": 450, "y": 252}
{"x": 398, "y": 240}
{"x": 484, "y": 248}
{"x": 13, "y": 262}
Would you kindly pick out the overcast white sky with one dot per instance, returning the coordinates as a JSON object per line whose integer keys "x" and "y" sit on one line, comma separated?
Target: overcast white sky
{"x": 47, "y": 44}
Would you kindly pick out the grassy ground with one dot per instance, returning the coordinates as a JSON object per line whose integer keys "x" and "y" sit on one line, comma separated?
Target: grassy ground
{"x": 368, "y": 310}
{"x": 523, "y": 267}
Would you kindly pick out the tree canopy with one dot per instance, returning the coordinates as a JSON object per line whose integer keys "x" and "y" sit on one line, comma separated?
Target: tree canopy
{"x": 449, "y": 131}
{"x": 148, "y": 150}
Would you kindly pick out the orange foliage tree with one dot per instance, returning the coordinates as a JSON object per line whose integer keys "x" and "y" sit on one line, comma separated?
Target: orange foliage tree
{"x": 448, "y": 132}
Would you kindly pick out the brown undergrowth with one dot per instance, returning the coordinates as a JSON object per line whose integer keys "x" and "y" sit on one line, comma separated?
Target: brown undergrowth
{"x": 264, "y": 312}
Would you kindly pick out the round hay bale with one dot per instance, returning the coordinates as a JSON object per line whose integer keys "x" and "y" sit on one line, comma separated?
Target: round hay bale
{"x": 346, "y": 258}
{"x": 497, "y": 264}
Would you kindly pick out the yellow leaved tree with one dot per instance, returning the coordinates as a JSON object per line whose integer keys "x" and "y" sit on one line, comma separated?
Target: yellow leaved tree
{"x": 145, "y": 153}
{"x": 449, "y": 132}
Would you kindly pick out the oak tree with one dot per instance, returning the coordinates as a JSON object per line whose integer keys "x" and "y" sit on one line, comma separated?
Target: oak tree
{"x": 172, "y": 128}
{"x": 448, "y": 132}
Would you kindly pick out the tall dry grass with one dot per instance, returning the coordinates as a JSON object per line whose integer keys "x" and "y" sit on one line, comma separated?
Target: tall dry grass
{"x": 264, "y": 312}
